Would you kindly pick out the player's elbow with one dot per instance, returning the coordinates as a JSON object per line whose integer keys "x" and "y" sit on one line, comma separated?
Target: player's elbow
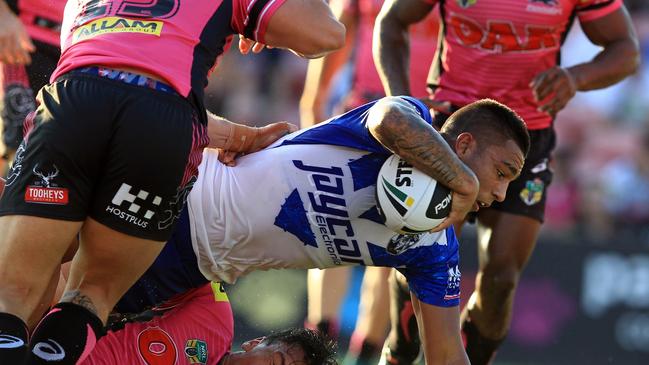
{"x": 635, "y": 60}
{"x": 389, "y": 115}
{"x": 630, "y": 53}
{"x": 327, "y": 38}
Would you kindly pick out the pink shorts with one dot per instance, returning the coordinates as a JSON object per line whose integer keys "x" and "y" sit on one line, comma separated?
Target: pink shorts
{"x": 197, "y": 329}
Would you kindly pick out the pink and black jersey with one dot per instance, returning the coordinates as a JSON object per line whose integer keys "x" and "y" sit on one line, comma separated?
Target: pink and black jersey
{"x": 178, "y": 41}
{"x": 494, "y": 48}
{"x": 366, "y": 83}
{"x": 42, "y": 18}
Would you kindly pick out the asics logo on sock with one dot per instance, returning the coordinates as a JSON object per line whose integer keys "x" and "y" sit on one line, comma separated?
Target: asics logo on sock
{"x": 10, "y": 342}
{"x": 49, "y": 350}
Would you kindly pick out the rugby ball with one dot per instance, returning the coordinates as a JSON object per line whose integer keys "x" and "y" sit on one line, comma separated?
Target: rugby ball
{"x": 410, "y": 201}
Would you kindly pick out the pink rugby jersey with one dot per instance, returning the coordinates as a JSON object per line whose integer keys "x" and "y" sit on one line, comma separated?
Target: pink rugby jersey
{"x": 178, "y": 41}
{"x": 494, "y": 48}
{"x": 197, "y": 327}
{"x": 366, "y": 84}
{"x": 42, "y": 18}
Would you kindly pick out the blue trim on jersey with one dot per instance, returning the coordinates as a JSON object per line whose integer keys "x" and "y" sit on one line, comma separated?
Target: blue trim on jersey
{"x": 365, "y": 170}
{"x": 373, "y": 215}
{"x": 350, "y": 129}
{"x": 427, "y": 268}
{"x": 292, "y": 218}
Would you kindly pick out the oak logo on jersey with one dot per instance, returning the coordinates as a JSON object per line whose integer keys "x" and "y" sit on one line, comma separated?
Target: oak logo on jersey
{"x": 532, "y": 193}
{"x": 115, "y": 24}
{"x": 466, "y": 3}
{"x": 45, "y": 191}
{"x": 500, "y": 36}
{"x": 196, "y": 351}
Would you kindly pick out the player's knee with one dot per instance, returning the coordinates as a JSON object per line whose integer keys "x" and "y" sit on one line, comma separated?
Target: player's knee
{"x": 501, "y": 278}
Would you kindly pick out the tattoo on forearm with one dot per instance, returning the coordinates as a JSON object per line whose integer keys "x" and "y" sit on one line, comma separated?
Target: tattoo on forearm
{"x": 415, "y": 143}
{"x": 76, "y": 297}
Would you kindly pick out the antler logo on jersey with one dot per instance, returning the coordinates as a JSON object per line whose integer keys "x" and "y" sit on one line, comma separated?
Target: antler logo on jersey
{"x": 45, "y": 191}
{"x": 501, "y": 36}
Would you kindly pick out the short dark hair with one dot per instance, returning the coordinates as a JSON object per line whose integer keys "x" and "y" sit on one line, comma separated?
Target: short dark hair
{"x": 487, "y": 120}
{"x": 318, "y": 349}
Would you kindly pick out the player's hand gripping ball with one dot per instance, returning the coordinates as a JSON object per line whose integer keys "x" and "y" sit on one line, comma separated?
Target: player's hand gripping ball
{"x": 411, "y": 201}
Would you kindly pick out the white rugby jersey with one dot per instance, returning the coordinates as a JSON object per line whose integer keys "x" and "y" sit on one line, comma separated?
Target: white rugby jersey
{"x": 310, "y": 201}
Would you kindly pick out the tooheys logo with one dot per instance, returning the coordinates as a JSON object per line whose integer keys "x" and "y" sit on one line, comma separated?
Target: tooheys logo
{"x": 42, "y": 192}
{"x": 397, "y": 197}
{"x": 442, "y": 195}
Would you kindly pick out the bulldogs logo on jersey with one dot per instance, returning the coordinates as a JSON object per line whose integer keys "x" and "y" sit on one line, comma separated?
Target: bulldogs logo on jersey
{"x": 401, "y": 243}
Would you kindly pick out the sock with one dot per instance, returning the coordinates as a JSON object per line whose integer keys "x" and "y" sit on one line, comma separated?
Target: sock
{"x": 328, "y": 327}
{"x": 362, "y": 352}
{"x": 65, "y": 336}
{"x": 13, "y": 339}
{"x": 481, "y": 350}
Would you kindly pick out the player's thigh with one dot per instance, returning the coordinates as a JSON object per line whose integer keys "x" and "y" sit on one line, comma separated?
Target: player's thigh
{"x": 511, "y": 240}
{"x": 150, "y": 164}
{"x": 107, "y": 263}
{"x": 31, "y": 249}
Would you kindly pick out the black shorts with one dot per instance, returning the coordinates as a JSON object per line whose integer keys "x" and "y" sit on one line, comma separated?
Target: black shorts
{"x": 19, "y": 86}
{"x": 122, "y": 154}
{"x": 527, "y": 194}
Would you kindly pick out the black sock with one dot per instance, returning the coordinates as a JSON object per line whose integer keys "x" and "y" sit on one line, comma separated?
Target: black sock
{"x": 363, "y": 352}
{"x": 66, "y": 335}
{"x": 480, "y": 349}
{"x": 13, "y": 339}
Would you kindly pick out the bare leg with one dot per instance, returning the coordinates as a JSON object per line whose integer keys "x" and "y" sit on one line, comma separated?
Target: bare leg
{"x": 105, "y": 266}
{"x": 326, "y": 289}
{"x": 373, "y": 319}
{"x": 505, "y": 243}
{"x": 31, "y": 249}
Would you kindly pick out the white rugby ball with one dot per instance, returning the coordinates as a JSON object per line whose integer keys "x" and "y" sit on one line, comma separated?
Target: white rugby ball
{"x": 411, "y": 201}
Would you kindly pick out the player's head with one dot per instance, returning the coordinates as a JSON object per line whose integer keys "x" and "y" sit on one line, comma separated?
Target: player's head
{"x": 296, "y": 346}
{"x": 493, "y": 141}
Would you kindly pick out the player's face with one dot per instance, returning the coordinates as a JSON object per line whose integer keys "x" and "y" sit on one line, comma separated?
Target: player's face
{"x": 495, "y": 166}
{"x": 258, "y": 352}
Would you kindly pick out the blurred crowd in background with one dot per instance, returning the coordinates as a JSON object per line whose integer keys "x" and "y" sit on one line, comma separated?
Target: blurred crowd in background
{"x": 600, "y": 191}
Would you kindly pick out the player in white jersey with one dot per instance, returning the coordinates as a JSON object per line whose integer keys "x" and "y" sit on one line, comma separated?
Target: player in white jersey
{"x": 309, "y": 201}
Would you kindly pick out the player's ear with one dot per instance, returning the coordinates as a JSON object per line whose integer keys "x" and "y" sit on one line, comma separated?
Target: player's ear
{"x": 251, "y": 344}
{"x": 465, "y": 144}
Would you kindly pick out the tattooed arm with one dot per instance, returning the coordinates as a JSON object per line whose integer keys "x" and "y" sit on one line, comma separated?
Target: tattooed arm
{"x": 396, "y": 124}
